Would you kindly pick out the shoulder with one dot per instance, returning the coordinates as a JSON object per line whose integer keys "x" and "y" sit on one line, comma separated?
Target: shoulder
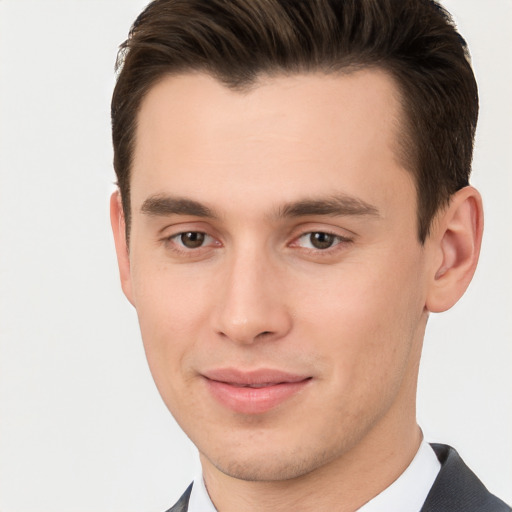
{"x": 457, "y": 488}
{"x": 182, "y": 504}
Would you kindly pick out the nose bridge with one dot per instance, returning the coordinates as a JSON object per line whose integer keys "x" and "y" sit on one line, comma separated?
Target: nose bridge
{"x": 251, "y": 305}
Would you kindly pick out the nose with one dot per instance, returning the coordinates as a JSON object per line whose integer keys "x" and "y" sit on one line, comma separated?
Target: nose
{"x": 252, "y": 302}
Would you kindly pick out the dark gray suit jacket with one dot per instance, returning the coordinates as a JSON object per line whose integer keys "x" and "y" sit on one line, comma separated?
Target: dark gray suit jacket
{"x": 456, "y": 489}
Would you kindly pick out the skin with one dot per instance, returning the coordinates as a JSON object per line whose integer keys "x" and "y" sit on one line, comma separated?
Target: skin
{"x": 257, "y": 293}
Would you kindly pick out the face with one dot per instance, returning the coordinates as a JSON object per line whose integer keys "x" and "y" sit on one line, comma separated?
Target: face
{"x": 275, "y": 267}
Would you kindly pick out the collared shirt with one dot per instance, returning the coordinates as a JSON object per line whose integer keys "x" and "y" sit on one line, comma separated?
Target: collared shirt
{"x": 406, "y": 494}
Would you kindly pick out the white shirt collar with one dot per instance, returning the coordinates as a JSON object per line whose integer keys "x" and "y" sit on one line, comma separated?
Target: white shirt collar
{"x": 199, "y": 500}
{"x": 409, "y": 491}
{"x": 406, "y": 494}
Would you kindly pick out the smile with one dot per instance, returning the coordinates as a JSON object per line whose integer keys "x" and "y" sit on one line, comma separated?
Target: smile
{"x": 253, "y": 392}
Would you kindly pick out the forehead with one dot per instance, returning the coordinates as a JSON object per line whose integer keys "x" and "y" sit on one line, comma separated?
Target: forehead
{"x": 285, "y": 133}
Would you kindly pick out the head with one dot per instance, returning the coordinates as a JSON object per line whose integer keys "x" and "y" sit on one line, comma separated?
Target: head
{"x": 293, "y": 203}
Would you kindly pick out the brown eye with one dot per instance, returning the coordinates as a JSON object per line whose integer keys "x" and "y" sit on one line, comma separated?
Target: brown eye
{"x": 192, "y": 239}
{"x": 322, "y": 240}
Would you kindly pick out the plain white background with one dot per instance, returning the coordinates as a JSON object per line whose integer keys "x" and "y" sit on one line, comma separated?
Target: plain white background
{"x": 82, "y": 427}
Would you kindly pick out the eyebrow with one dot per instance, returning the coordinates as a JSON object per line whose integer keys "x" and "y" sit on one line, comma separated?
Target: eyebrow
{"x": 332, "y": 206}
{"x": 161, "y": 205}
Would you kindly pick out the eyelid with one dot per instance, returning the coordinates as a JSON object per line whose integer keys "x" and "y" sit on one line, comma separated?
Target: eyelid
{"x": 187, "y": 225}
{"x": 184, "y": 225}
{"x": 306, "y": 228}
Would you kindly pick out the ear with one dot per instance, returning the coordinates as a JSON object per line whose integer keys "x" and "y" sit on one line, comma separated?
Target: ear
{"x": 123, "y": 256}
{"x": 457, "y": 236}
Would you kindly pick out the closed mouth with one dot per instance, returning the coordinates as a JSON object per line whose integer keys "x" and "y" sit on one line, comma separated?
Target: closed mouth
{"x": 255, "y": 391}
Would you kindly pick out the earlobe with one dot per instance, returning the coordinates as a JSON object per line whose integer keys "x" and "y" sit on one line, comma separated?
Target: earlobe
{"x": 117, "y": 221}
{"x": 457, "y": 239}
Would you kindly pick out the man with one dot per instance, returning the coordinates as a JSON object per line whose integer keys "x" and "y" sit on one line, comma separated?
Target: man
{"x": 293, "y": 203}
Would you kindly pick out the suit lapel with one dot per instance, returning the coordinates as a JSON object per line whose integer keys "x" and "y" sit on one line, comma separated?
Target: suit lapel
{"x": 182, "y": 504}
{"x": 457, "y": 489}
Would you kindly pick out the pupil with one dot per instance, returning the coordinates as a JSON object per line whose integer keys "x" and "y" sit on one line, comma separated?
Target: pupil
{"x": 321, "y": 240}
{"x": 192, "y": 240}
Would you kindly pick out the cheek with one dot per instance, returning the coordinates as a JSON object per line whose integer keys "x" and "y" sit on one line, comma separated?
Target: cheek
{"x": 170, "y": 299}
{"x": 366, "y": 320}
{"x": 172, "y": 312}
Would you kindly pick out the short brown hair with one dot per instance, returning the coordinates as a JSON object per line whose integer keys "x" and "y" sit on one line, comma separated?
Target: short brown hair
{"x": 238, "y": 40}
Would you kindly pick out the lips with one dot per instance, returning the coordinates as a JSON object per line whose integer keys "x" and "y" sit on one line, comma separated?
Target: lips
{"x": 253, "y": 392}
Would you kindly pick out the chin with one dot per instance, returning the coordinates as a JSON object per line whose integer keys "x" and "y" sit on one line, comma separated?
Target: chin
{"x": 270, "y": 465}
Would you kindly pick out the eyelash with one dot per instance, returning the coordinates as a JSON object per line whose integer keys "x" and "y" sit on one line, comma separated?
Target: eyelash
{"x": 338, "y": 240}
{"x": 175, "y": 244}
{"x": 172, "y": 242}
